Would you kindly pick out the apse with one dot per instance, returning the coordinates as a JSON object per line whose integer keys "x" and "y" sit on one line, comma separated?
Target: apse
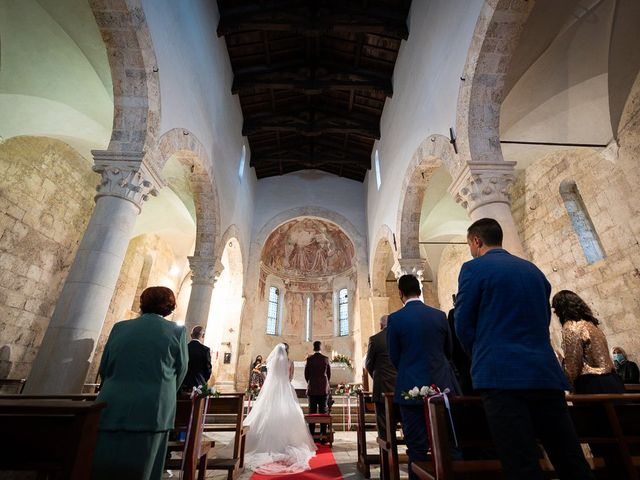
{"x": 307, "y": 281}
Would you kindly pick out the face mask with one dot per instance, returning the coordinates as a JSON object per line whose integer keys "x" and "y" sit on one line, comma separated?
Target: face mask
{"x": 618, "y": 357}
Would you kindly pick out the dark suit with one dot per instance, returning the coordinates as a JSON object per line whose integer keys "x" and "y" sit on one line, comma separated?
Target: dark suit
{"x": 460, "y": 359}
{"x": 502, "y": 319}
{"x": 419, "y": 347}
{"x": 317, "y": 373}
{"x": 199, "y": 370}
{"x": 379, "y": 365}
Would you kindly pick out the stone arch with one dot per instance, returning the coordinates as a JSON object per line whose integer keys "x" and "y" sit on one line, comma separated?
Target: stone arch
{"x": 482, "y": 87}
{"x": 230, "y": 234}
{"x": 434, "y": 152}
{"x": 227, "y": 303}
{"x": 134, "y": 71}
{"x": 381, "y": 258}
{"x": 186, "y": 147}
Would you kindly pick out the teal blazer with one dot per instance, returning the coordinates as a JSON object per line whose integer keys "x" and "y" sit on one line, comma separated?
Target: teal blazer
{"x": 143, "y": 365}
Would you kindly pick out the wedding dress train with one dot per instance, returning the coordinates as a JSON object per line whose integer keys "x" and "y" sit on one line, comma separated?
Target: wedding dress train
{"x": 278, "y": 440}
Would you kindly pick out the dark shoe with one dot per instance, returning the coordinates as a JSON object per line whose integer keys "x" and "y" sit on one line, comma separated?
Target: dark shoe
{"x": 323, "y": 442}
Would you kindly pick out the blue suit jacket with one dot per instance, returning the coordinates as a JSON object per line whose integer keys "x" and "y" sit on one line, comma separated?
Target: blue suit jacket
{"x": 419, "y": 343}
{"x": 502, "y": 319}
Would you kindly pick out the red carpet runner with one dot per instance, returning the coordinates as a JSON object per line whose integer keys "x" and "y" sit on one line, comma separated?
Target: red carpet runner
{"x": 323, "y": 467}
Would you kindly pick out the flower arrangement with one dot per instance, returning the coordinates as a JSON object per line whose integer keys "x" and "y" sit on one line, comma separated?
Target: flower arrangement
{"x": 253, "y": 390}
{"x": 203, "y": 391}
{"x": 420, "y": 393}
{"x": 342, "y": 389}
{"x": 338, "y": 358}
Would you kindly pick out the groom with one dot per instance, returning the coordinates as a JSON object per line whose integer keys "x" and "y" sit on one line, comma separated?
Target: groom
{"x": 317, "y": 373}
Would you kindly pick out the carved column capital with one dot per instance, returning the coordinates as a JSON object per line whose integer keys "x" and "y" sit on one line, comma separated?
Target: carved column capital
{"x": 481, "y": 183}
{"x": 126, "y": 175}
{"x": 204, "y": 270}
{"x": 412, "y": 266}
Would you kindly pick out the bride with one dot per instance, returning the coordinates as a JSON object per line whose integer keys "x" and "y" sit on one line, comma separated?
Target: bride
{"x": 278, "y": 440}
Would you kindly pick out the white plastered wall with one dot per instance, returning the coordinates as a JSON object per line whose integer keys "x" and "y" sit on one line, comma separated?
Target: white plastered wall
{"x": 195, "y": 86}
{"x": 425, "y": 84}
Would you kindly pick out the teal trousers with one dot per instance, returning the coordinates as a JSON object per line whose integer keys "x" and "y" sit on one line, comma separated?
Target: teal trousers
{"x": 126, "y": 455}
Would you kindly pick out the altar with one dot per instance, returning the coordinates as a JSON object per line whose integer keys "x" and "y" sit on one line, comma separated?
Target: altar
{"x": 340, "y": 373}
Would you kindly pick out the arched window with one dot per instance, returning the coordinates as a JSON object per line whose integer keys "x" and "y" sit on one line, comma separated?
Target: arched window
{"x": 581, "y": 221}
{"x": 243, "y": 157}
{"x": 273, "y": 311}
{"x": 376, "y": 162}
{"x": 308, "y": 306}
{"x": 343, "y": 312}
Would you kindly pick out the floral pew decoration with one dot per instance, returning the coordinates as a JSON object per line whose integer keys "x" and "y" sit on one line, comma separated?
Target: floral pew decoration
{"x": 425, "y": 394}
{"x": 346, "y": 390}
{"x": 252, "y": 394}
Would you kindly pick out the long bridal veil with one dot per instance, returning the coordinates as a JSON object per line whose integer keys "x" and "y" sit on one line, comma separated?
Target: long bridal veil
{"x": 278, "y": 440}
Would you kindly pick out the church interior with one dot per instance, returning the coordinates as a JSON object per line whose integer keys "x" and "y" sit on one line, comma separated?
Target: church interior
{"x": 280, "y": 164}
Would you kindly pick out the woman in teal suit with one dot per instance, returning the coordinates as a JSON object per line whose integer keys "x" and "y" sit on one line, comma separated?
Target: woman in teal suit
{"x": 142, "y": 368}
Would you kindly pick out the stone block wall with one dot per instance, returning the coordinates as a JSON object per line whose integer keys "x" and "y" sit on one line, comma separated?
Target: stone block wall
{"x": 148, "y": 262}
{"x": 46, "y": 199}
{"x": 451, "y": 260}
{"x": 610, "y": 286}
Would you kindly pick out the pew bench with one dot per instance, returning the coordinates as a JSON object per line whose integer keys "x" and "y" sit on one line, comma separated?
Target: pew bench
{"x": 610, "y": 424}
{"x": 194, "y": 448}
{"x": 322, "y": 419}
{"x": 15, "y": 384}
{"x": 390, "y": 459}
{"x": 366, "y": 407}
{"x": 226, "y": 414}
{"x": 56, "y": 438}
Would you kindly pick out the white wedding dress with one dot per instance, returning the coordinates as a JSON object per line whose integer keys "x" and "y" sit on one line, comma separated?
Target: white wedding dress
{"x": 278, "y": 440}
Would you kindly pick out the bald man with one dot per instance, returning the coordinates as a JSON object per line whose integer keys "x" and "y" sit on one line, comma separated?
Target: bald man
{"x": 199, "y": 361}
{"x": 379, "y": 366}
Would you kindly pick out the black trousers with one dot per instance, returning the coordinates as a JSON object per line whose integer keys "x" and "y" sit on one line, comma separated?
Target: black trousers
{"x": 318, "y": 404}
{"x": 381, "y": 420}
{"x": 517, "y": 417}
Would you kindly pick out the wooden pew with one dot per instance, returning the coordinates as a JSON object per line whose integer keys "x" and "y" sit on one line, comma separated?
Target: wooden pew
{"x": 390, "y": 459}
{"x": 365, "y": 459}
{"x": 189, "y": 418}
{"x": 15, "y": 384}
{"x": 610, "y": 424}
{"x": 226, "y": 414}
{"x": 81, "y": 397}
{"x": 53, "y": 437}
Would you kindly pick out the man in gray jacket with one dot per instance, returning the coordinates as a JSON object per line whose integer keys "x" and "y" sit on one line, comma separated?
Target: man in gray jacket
{"x": 379, "y": 366}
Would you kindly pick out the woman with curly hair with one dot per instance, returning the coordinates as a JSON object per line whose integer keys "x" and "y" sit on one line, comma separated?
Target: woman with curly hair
{"x": 587, "y": 363}
{"x": 143, "y": 365}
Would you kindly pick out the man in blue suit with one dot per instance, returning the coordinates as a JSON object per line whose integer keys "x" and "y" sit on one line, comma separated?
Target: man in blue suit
{"x": 419, "y": 343}
{"x": 502, "y": 319}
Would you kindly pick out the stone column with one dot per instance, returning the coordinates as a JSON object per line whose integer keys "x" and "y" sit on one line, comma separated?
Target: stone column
{"x": 62, "y": 362}
{"x": 418, "y": 267}
{"x": 482, "y": 188}
{"x": 379, "y": 307}
{"x": 204, "y": 273}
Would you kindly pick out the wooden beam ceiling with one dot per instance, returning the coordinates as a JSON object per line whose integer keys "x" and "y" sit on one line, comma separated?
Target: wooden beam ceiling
{"x": 312, "y": 79}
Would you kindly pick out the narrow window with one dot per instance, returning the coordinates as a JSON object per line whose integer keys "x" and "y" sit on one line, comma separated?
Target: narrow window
{"x": 377, "y": 167}
{"x": 343, "y": 313}
{"x": 308, "y": 319}
{"x": 582, "y": 224}
{"x": 272, "y": 311}
{"x": 243, "y": 157}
